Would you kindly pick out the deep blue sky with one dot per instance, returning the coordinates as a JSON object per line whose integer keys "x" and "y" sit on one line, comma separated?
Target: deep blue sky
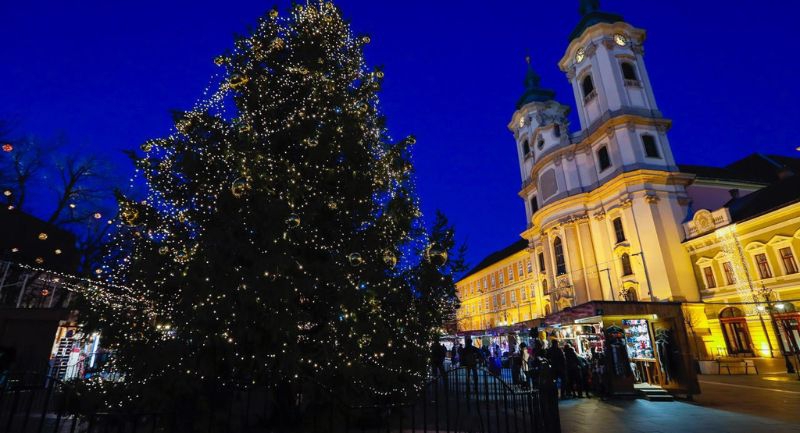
{"x": 107, "y": 73}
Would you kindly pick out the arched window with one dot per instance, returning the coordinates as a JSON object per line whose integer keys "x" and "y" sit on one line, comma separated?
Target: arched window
{"x": 626, "y": 264}
{"x": 557, "y": 130}
{"x": 619, "y": 231}
{"x": 603, "y": 158}
{"x": 526, "y": 148}
{"x": 735, "y": 331}
{"x": 540, "y": 144}
{"x": 547, "y": 310}
{"x": 534, "y": 205}
{"x": 558, "y": 251}
{"x": 587, "y": 85}
{"x": 628, "y": 71}
{"x": 544, "y": 288}
{"x": 629, "y": 295}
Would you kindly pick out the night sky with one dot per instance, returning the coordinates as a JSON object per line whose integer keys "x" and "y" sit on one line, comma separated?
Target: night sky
{"x": 107, "y": 73}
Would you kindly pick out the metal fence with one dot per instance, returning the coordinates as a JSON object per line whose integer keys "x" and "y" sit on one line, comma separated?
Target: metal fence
{"x": 461, "y": 400}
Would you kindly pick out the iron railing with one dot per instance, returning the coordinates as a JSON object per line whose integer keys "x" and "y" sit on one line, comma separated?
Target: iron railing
{"x": 460, "y": 400}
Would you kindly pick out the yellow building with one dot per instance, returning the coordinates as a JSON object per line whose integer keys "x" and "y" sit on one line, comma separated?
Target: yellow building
{"x": 617, "y": 234}
{"x": 744, "y": 256}
{"x": 499, "y": 291}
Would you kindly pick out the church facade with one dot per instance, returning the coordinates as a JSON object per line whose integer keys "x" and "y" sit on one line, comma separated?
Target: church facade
{"x": 611, "y": 218}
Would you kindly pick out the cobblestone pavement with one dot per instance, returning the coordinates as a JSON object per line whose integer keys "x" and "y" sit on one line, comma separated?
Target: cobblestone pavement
{"x": 735, "y": 404}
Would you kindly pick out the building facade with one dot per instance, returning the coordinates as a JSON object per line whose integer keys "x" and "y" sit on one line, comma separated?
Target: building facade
{"x": 617, "y": 233}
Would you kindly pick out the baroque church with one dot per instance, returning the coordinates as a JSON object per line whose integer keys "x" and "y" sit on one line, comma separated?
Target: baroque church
{"x": 617, "y": 232}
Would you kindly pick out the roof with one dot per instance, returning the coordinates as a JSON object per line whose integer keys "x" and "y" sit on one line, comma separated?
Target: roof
{"x": 29, "y": 240}
{"x": 534, "y": 92}
{"x": 754, "y": 168}
{"x": 591, "y": 15}
{"x": 780, "y": 194}
{"x": 498, "y": 255}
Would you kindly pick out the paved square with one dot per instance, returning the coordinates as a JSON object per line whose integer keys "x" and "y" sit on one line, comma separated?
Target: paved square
{"x": 734, "y": 404}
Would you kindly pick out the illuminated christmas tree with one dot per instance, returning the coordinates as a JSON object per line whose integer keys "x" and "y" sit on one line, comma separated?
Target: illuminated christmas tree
{"x": 281, "y": 239}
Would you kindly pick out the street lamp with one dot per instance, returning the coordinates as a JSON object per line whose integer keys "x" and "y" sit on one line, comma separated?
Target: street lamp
{"x": 766, "y": 293}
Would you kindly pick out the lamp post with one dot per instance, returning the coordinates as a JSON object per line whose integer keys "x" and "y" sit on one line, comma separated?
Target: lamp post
{"x": 766, "y": 293}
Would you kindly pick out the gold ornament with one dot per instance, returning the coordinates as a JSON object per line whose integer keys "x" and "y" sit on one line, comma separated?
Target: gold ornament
{"x": 366, "y": 39}
{"x": 332, "y": 204}
{"x": 237, "y": 80}
{"x": 239, "y": 187}
{"x": 437, "y": 256}
{"x": 42, "y": 236}
{"x": 163, "y": 250}
{"x": 97, "y": 215}
{"x": 219, "y": 60}
{"x": 39, "y": 260}
{"x": 390, "y": 259}
{"x": 277, "y": 44}
{"x": 412, "y": 139}
{"x": 355, "y": 259}
{"x": 293, "y": 221}
{"x": 379, "y": 74}
{"x": 182, "y": 256}
{"x": 311, "y": 142}
{"x": 147, "y": 146}
{"x": 129, "y": 214}
{"x": 273, "y": 13}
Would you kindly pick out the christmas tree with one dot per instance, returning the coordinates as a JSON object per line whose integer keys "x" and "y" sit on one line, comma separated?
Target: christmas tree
{"x": 281, "y": 237}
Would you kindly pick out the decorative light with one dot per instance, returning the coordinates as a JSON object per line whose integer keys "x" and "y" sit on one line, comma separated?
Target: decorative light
{"x": 42, "y": 236}
{"x": 97, "y": 215}
{"x": 7, "y": 192}
{"x": 8, "y": 147}
{"x": 39, "y": 260}
{"x": 72, "y": 205}
{"x": 780, "y": 306}
{"x": 57, "y": 251}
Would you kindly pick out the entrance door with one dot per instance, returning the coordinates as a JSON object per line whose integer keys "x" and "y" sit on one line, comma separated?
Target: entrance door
{"x": 737, "y": 337}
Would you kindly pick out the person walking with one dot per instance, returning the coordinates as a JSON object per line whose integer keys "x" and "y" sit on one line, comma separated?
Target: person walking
{"x": 525, "y": 366}
{"x": 469, "y": 360}
{"x": 574, "y": 379}
{"x": 558, "y": 363}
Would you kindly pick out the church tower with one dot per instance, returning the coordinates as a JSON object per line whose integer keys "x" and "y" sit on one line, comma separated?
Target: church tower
{"x": 604, "y": 204}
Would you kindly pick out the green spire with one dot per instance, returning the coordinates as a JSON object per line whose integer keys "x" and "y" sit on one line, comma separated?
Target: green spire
{"x": 533, "y": 90}
{"x": 591, "y": 15}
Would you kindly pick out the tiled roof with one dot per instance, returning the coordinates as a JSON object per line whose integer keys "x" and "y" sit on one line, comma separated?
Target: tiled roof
{"x": 498, "y": 255}
{"x": 780, "y": 194}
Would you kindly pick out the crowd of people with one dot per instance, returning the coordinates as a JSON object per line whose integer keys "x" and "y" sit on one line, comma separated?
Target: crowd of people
{"x": 575, "y": 376}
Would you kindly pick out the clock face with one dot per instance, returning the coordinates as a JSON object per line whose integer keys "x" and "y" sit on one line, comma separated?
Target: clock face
{"x": 580, "y": 55}
{"x": 620, "y": 39}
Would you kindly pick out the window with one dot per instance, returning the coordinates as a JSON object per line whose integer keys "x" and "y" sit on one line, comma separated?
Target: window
{"x": 533, "y": 291}
{"x": 557, "y": 130}
{"x": 540, "y": 144}
{"x": 650, "y": 148}
{"x": 628, "y": 71}
{"x": 603, "y": 158}
{"x": 526, "y": 148}
{"x": 626, "y": 264}
{"x": 541, "y": 262}
{"x": 491, "y": 279}
{"x": 520, "y": 272}
{"x": 502, "y": 298}
{"x": 523, "y": 294}
{"x": 788, "y": 260}
{"x": 510, "y": 274}
{"x": 484, "y": 283}
{"x": 534, "y": 205}
{"x": 558, "y": 250}
{"x": 711, "y": 282}
{"x": 588, "y": 88}
{"x": 530, "y": 266}
{"x": 501, "y": 278}
{"x": 629, "y": 295}
{"x": 486, "y": 304}
{"x": 513, "y": 296}
{"x": 730, "y": 276}
{"x": 496, "y": 301}
{"x": 544, "y": 287}
{"x": 618, "y": 230}
{"x": 763, "y": 266}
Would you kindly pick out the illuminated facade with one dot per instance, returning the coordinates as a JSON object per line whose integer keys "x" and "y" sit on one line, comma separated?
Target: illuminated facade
{"x": 745, "y": 261}
{"x": 611, "y": 217}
